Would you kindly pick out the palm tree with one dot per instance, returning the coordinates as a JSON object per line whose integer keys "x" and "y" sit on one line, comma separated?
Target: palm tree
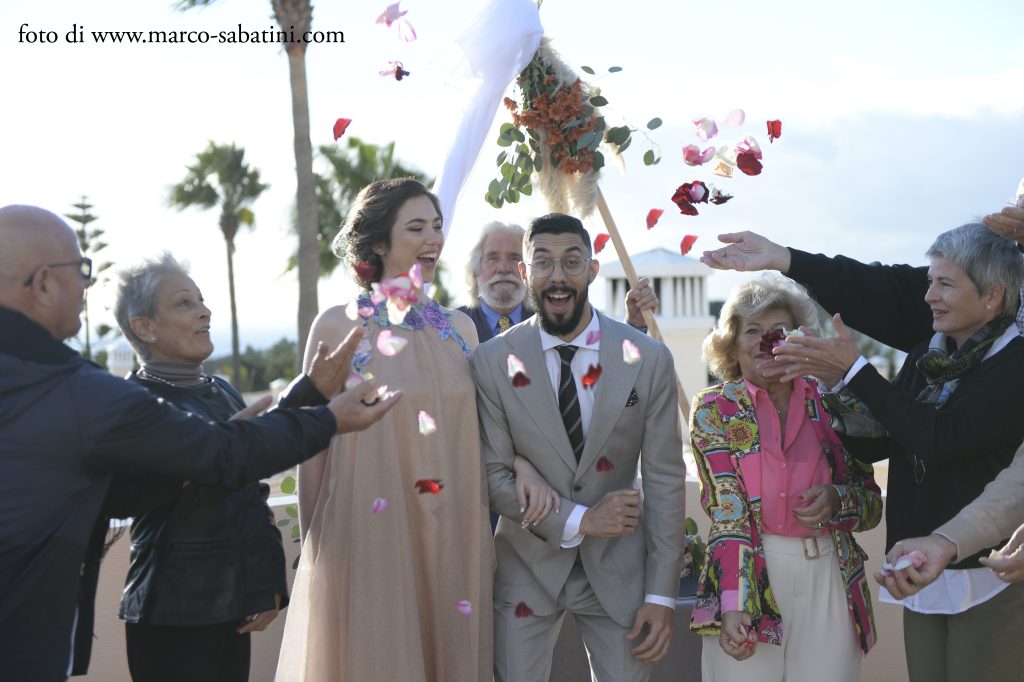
{"x": 221, "y": 176}
{"x": 295, "y": 18}
{"x": 351, "y": 169}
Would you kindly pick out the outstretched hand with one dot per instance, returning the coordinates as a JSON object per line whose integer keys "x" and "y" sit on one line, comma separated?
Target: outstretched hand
{"x": 828, "y": 359}
{"x": 329, "y": 370}
{"x": 1009, "y": 222}
{"x": 638, "y": 299}
{"x": 747, "y": 251}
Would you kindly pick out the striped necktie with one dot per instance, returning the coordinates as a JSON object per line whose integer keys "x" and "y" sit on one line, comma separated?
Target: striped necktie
{"x": 504, "y": 322}
{"x": 569, "y": 401}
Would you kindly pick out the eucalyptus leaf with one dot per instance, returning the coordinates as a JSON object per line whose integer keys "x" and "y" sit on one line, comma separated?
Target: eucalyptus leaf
{"x": 614, "y": 69}
{"x": 618, "y": 134}
{"x": 587, "y": 69}
{"x": 501, "y": 158}
{"x": 537, "y": 163}
{"x": 288, "y": 485}
{"x": 586, "y": 139}
{"x": 518, "y": 135}
{"x": 494, "y": 189}
{"x": 690, "y": 526}
{"x": 505, "y": 128}
{"x": 598, "y": 101}
{"x": 284, "y": 522}
{"x": 295, "y": 534}
{"x": 504, "y": 142}
{"x": 649, "y": 157}
{"x": 527, "y": 189}
{"x": 625, "y": 145}
{"x": 598, "y": 161}
{"x": 292, "y": 511}
{"x": 654, "y": 123}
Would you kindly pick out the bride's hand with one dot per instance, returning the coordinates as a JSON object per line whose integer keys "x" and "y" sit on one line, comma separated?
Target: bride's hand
{"x": 536, "y": 498}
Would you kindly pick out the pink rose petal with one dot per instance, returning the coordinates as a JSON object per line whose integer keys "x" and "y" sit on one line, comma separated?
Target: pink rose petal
{"x": 706, "y": 129}
{"x": 388, "y": 344}
{"x": 416, "y": 276}
{"x": 692, "y": 156}
{"x": 593, "y": 336}
{"x": 380, "y": 504}
{"x": 353, "y": 380}
{"x": 464, "y": 607}
{"x": 428, "y": 424}
{"x": 734, "y": 118}
{"x": 630, "y": 352}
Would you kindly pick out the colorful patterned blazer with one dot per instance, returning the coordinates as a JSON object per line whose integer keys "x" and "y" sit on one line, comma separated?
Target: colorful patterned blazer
{"x": 727, "y": 447}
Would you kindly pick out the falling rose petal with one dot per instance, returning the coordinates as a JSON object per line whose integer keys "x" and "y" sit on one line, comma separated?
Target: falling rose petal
{"x": 352, "y": 310}
{"x": 593, "y": 336}
{"x": 366, "y": 271}
{"x": 723, "y": 170}
{"x": 604, "y": 465}
{"x": 719, "y": 197}
{"x": 395, "y": 71}
{"x": 750, "y": 146}
{"x": 652, "y": 217}
{"x": 380, "y": 504}
{"x": 748, "y": 163}
{"x": 698, "y": 191}
{"x": 706, "y": 129}
{"x": 774, "y": 130}
{"x": 683, "y": 199}
{"x": 687, "y": 244}
{"x": 365, "y": 311}
{"x": 405, "y": 31}
{"x": 734, "y": 118}
{"x": 600, "y": 241}
{"x": 431, "y": 486}
{"x": 693, "y": 156}
{"x": 630, "y": 352}
{"x": 464, "y": 607}
{"x": 353, "y": 380}
{"x": 523, "y": 611}
{"x": 416, "y": 275}
{"x": 391, "y": 15}
{"x": 428, "y": 424}
{"x": 590, "y": 378}
{"x": 388, "y": 344}
{"x": 726, "y": 155}
{"x": 339, "y": 127}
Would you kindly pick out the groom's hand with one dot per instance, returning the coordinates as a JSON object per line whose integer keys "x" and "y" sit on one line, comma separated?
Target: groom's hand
{"x": 616, "y": 514}
{"x": 654, "y": 646}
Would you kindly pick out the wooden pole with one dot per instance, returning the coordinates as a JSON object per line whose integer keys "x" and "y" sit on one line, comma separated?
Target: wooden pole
{"x": 627, "y": 266}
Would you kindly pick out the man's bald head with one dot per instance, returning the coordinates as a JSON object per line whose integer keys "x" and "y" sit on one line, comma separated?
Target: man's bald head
{"x": 30, "y": 239}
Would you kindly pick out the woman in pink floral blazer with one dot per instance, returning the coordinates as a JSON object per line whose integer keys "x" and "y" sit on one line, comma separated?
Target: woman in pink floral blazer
{"x": 784, "y": 497}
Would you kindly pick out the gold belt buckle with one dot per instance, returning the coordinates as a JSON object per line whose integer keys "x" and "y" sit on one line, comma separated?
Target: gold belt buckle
{"x": 814, "y": 542}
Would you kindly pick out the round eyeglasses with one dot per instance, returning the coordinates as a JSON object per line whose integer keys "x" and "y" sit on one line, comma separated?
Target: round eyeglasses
{"x": 571, "y": 265}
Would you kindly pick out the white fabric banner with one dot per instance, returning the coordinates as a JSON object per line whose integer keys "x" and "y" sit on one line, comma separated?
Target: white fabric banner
{"x": 496, "y": 47}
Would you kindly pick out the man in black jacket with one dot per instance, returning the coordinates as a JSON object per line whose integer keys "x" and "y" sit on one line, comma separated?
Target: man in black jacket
{"x": 66, "y": 426}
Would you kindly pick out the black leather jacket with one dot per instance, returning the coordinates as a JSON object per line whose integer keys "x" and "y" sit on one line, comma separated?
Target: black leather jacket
{"x": 208, "y": 554}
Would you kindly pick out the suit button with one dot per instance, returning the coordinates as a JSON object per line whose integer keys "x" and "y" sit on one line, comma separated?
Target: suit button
{"x": 576, "y": 488}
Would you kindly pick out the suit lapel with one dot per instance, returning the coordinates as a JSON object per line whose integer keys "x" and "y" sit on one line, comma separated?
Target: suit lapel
{"x": 613, "y": 388}
{"x": 538, "y": 397}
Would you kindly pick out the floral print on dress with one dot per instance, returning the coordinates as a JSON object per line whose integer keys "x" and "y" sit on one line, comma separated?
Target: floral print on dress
{"x": 418, "y": 317}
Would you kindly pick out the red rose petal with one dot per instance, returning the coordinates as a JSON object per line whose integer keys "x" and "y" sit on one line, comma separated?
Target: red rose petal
{"x": 774, "y": 130}
{"x": 591, "y": 377}
{"x": 748, "y": 163}
{"x": 339, "y": 127}
{"x": 429, "y": 485}
{"x": 687, "y": 243}
{"x": 366, "y": 271}
{"x": 719, "y": 197}
{"x": 523, "y": 611}
{"x": 771, "y": 339}
{"x": 652, "y": 217}
{"x": 604, "y": 464}
{"x": 600, "y": 241}
{"x": 520, "y": 379}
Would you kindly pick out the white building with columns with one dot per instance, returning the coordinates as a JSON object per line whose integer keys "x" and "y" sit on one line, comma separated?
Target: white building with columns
{"x": 680, "y": 283}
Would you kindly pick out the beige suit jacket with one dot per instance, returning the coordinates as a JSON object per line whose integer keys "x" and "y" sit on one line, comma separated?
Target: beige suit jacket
{"x": 635, "y": 419}
{"x": 994, "y": 515}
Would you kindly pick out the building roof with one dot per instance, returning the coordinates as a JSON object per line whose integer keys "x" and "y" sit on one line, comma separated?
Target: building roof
{"x": 658, "y": 262}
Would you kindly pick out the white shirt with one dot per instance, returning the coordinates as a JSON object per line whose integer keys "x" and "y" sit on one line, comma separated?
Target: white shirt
{"x": 587, "y": 354}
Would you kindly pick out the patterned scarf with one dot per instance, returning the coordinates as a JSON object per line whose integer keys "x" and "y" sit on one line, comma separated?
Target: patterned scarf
{"x": 943, "y": 371}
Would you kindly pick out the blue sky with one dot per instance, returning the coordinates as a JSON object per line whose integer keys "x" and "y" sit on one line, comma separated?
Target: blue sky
{"x": 900, "y": 120}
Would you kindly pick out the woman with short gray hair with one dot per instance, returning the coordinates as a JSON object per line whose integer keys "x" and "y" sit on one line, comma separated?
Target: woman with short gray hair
{"x": 207, "y": 565}
{"x": 954, "y": 418}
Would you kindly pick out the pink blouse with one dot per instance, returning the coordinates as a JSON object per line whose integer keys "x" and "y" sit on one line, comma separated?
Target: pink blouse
{"x": 790, "y": 467}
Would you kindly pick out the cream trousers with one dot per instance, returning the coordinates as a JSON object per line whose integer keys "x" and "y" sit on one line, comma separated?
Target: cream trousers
{"x": 819, "y": 640}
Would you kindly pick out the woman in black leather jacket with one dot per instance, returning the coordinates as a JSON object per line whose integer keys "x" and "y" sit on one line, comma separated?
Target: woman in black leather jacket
{"x": 207, "y": 564}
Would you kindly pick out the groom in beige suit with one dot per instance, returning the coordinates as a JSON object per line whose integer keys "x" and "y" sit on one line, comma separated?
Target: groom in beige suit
{"x": 581, "y": 397}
